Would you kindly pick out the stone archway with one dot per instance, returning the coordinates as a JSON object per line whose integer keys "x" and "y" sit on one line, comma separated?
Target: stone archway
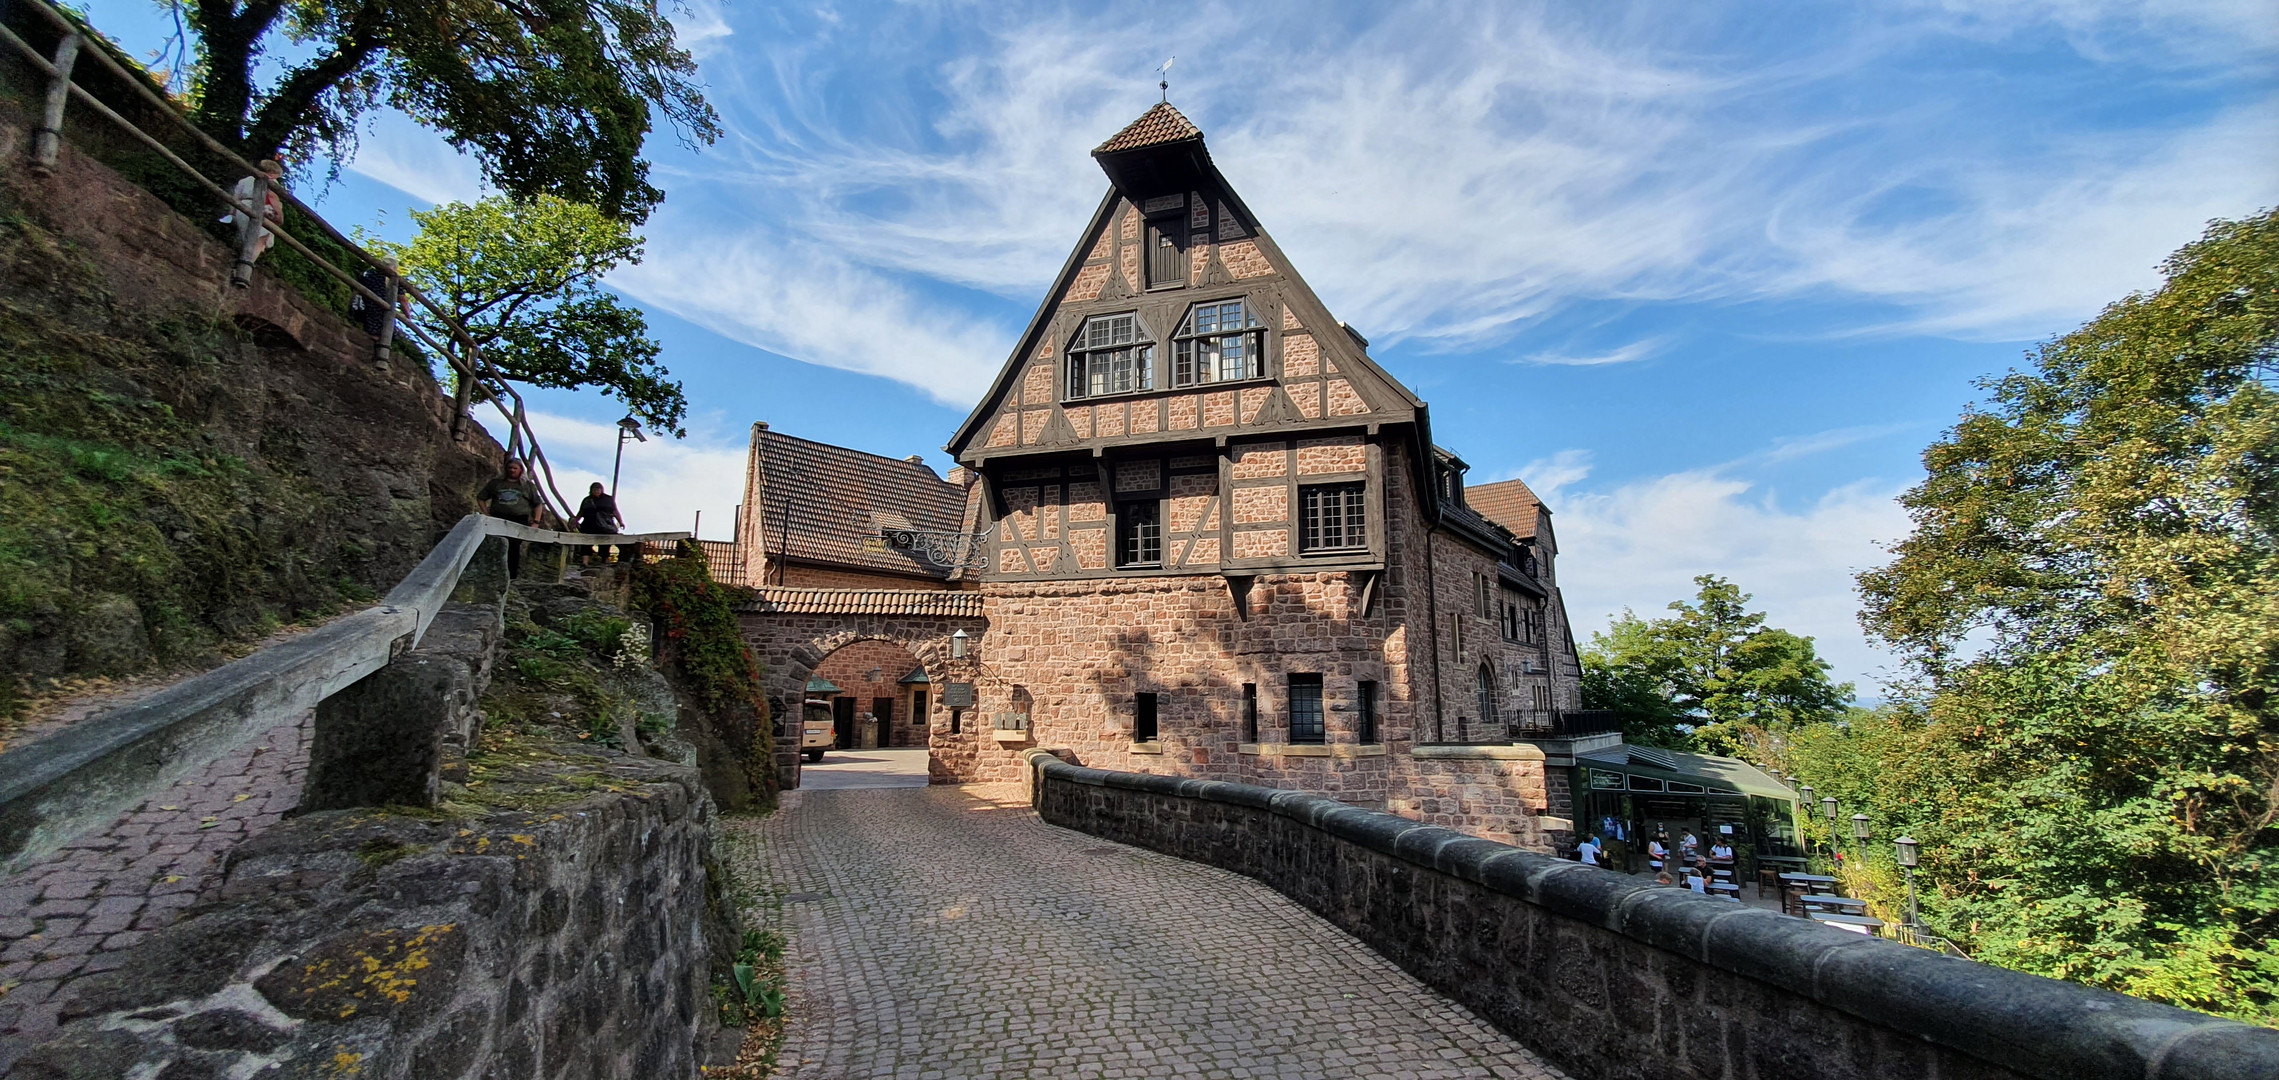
{"x": 790, "y": 645}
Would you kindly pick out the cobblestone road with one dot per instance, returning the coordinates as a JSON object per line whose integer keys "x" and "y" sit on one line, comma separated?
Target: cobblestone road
{"x": 946, "y": 932}
{"x": 67, "y": 917}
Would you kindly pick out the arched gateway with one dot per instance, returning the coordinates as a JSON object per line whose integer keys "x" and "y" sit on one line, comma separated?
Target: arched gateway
{"x": 792, "y": 631}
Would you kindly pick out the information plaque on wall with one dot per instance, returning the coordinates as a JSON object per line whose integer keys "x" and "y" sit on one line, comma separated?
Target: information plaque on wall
{"x": 957, "y": 695}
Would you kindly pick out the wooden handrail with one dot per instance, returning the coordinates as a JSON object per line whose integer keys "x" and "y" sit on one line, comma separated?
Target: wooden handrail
{"x": 86, "y": 775}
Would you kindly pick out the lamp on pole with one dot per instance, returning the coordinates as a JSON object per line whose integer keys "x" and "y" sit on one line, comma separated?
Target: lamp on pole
{"x": 1905, "y": 850}
{"x": 1860, "y": 833}
{"x": 627, "y": 426}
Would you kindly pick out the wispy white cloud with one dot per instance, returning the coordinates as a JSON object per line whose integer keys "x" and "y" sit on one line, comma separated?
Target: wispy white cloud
{"x": 665, "y": 481}
{"x": 1639, "y": 546}
{"x": 1636, "y": 350}
{"x": 1548, "y": 476}
{"x": 1443, "y": 174}
{"x": 415, "y": 161}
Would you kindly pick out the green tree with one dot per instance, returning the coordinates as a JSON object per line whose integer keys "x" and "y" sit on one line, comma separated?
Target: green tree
{"x": 1711, "y": 676}
{"x": 550, "y": 96}
{"x": 524, "y": 278}
{"x": 2091, "y": 596}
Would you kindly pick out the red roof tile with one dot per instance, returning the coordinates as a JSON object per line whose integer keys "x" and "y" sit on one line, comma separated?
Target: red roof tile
{"x": 1508, "y": 503}
{"x": 775, "y": 600}
{"x": 1159, "y": 125}
{"x": 827, "y": 504}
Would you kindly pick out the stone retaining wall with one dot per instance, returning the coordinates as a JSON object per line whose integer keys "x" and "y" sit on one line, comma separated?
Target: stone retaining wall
{"x": 1612, "y": 978}
{"x": 566, "y": 943}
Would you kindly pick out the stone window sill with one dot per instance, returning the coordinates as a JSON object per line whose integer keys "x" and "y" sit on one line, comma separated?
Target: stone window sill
{"x": 1009, "y": 735}
{"x": 1484, "y": 752}
{"x": 1328, "y": 750}
{"x": 1147, "y": 748}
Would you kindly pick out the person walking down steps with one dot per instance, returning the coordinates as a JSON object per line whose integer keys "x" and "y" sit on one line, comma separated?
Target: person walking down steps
{"x": 598, "y": 516}
{"x": 511, "y": 498}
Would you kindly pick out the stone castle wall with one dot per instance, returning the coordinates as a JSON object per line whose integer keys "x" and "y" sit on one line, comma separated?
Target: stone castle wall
{"x": 1614, "y": 979}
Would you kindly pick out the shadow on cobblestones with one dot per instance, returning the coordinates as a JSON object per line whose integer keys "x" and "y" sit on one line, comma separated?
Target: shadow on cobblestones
{"x": 947, "y": 932}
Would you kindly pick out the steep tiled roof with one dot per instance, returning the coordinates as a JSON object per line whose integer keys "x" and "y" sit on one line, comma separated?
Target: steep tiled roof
{"x": 774, "y": 600}
{"x": 1508, "y": 503}
{"x": 823, "y": 502}
{"x": 1159, "y": 125}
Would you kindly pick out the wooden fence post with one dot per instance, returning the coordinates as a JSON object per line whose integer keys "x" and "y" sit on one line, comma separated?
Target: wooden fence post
{"x": 48, "y": 141}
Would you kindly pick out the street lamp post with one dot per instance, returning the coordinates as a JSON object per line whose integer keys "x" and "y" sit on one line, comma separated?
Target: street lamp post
{"x": 1860, "y": 833}
{"x": 627, "y": 426}
{"x": 1904, "y": 849}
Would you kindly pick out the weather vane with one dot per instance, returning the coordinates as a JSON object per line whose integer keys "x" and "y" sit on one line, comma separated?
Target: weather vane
{"x": 1163, "y": 78}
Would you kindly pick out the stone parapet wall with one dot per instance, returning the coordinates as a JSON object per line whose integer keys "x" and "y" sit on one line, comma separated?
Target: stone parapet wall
{"x": 1610, "y": 978}
{"x": 572, "y": 942}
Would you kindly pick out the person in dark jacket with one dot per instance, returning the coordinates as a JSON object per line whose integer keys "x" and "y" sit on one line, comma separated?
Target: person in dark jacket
{"x": 512, "y": 498}
{"x": 597, "y": 515}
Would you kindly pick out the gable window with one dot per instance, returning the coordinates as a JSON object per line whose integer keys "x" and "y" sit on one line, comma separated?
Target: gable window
{"x": 1219, "y": 342}
{"x": 1306, "y": 709}
{"x": 1139, "y": 534}
{"x": 1111, "y": 355}
{"x": 1332, "y": 517}
{"x": 1166, "y": 256}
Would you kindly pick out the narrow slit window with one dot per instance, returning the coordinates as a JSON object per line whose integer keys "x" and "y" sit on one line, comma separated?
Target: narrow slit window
{"x": 1306, "y": 709}
{"x": 1143, "y": 718}
{"x": 1250, "y": 712}
{"x": 1365, "y": 704}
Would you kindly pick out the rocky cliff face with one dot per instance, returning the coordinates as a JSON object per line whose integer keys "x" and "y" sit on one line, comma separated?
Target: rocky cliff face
{"x": 183, "y": 464}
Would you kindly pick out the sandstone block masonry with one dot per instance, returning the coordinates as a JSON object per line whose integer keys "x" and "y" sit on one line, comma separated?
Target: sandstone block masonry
{"x": 1076, "y": 657}
{"x": 567, "y": 938}
{"x": 1610, "y": 978}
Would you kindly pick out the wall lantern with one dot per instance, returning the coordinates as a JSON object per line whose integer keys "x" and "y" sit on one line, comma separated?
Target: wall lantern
{"x": 958, "y": 645}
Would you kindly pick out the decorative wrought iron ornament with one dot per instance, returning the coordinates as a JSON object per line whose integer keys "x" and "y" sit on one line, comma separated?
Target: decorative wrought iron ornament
{"x": 943, "y": 548}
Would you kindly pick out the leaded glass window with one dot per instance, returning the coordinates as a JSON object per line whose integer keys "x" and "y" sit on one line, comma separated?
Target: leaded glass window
{"x": 1332, "y": 517}
{"x": 1306, "y": 709}
{"x": 1112, "y": 355}
{"x": 1218, "y": 342}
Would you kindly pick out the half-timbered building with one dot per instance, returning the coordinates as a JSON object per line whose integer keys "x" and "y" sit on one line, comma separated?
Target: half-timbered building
{"x": 1221, "y": 541}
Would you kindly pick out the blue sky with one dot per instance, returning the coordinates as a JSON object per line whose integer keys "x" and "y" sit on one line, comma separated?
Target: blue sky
{"x": 1708, "y": 277}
